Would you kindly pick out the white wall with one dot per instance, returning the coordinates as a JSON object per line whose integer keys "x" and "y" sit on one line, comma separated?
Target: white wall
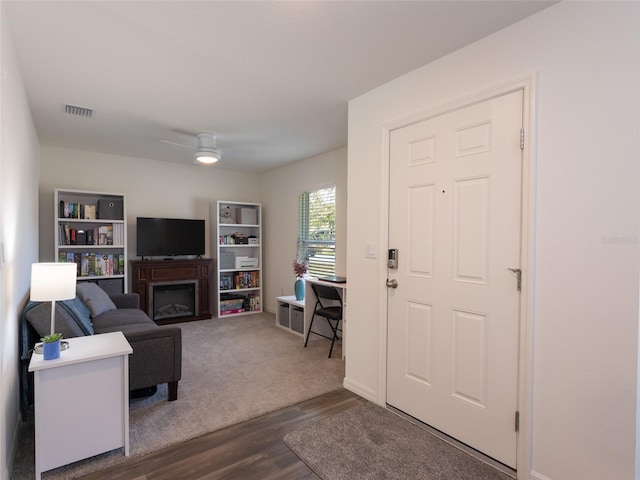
{"x": 586, "y": 57}
{"x": 18, "y": 234}
{"x": 162, "y": 189}
{"x": 152, "y": 188}
{"x": 280, "y": 188}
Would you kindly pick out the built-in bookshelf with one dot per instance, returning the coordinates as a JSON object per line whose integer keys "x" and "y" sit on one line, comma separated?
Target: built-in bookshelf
{"x": 91, "y": 231}
{"x": 238, "y": 257}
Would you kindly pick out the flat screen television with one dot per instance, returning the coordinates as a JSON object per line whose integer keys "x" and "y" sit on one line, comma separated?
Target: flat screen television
{"x": 169, "y": 237}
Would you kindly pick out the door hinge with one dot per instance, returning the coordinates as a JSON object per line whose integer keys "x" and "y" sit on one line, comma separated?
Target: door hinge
{"x": 517, "y": 421}
{"x": 522, "y": 139}
{"x": 518, "y": 273}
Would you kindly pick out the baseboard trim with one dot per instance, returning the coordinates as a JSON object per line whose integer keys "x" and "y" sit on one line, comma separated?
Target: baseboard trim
{"x": 360, "y": 390}
{"x": 537, "y": 476}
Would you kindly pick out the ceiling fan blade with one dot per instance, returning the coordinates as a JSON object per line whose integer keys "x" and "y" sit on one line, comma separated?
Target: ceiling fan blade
{"x": 179, "y": 144}
{"x": 239, "y": 151}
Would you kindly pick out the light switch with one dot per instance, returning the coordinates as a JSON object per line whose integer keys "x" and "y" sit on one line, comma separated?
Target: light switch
{"x": 371, "y": 250}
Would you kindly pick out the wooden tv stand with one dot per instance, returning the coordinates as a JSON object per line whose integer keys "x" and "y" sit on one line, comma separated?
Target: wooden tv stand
{"x": 150, "y": 274}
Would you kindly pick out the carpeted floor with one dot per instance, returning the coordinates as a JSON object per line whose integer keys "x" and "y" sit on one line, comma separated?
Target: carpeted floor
{"x": 370, "y": 442}
{"x": 233, "y": 369}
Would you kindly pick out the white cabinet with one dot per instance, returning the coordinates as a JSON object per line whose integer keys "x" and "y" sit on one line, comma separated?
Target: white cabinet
{"x": 81, "y": 400}
{"x": 238, "y": 257}
{"x": 91, "y": 231}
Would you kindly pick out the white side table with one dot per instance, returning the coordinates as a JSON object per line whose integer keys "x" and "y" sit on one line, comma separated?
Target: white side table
{"x": 81, "y": 400}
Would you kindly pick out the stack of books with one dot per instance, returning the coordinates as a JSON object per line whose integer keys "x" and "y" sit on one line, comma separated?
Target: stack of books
{"x": 90, "y": 264}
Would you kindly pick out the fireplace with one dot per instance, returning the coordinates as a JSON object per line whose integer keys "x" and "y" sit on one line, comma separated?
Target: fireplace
{"x": 148, "y": 274}
{"x": 174, "y": 299}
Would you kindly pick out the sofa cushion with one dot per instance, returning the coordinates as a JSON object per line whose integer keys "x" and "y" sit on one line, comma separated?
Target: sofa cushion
{"x": 96, "y": 299}
{"x": 114, "y": 320}
{"x": 127, "y": 329}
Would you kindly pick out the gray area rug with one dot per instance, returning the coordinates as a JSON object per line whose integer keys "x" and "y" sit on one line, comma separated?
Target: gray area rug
{"x": 233, "y": 369}
{"x": 370, "y": 442}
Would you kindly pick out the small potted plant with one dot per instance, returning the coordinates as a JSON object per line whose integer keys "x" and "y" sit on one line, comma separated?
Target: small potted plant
{"x": 300, "y": 267}
{"x": 51, "y": 346}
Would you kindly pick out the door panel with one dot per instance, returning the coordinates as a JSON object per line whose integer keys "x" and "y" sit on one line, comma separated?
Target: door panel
{"x": 421, "y": 200}
{"x": 453, "y": 321}
{"x": 471, "y": 230}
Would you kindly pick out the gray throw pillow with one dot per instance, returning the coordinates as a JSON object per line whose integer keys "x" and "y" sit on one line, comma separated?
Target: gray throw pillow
{"x": 96, "y": 299}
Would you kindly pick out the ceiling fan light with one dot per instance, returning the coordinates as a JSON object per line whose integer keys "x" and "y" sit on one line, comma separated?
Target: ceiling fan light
{"x": 207, "y": 157}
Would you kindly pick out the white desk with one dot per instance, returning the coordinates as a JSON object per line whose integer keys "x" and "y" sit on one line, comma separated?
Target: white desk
{"x": 310, "y": 303}
{"x": 81, "y": 400}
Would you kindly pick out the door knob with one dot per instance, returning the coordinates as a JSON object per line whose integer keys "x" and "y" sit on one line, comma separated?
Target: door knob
{"x": 393, "y": 283}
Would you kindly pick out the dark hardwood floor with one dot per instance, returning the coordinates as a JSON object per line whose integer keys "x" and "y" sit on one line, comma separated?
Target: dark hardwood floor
{"x": 250, "y": 450}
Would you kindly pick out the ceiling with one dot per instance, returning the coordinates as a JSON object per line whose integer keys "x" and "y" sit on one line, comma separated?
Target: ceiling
{"x": 271, "y": 79}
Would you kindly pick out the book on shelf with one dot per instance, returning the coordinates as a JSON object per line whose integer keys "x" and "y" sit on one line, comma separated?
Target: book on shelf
{"x": 90, "y": 212}
{"x": 70, "y": 257}
{"x": 76, "y": 210}
{"x": 84, "y": 264}
{"x": 105, "y": 235}
{"x": 102, "y": 235}
{"x": 118, "y": 234}
{"x": 97, "y": 265}
{"x": 104, "y": 265}
{"x": 239, "y": 280}
{"x": 92, "y": 264}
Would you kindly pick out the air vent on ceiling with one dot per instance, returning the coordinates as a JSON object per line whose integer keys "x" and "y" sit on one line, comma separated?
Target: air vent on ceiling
{"x": 80, "y": 111}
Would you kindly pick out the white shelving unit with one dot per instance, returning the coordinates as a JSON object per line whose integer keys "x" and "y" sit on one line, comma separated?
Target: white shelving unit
{"x": 91, "y": 231}
{"x": 238, "y": 257}
{"x": 290, "y": 314}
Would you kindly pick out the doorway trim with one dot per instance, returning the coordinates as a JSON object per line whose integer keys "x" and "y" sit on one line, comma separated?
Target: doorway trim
{"x": 527, "y": 244}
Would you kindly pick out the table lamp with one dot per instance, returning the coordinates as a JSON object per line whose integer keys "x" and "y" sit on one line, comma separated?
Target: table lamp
{"x": 51, "y": 282}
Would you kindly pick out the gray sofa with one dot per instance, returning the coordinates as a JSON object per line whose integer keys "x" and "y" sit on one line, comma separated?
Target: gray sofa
{"x": 157, "y": 351}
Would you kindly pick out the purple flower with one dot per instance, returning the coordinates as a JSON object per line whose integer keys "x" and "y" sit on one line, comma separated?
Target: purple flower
{"x": 300, "y": 267}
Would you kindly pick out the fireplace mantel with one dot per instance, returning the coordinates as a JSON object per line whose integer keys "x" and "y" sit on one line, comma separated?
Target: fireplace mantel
{"x": 147, "y": 273}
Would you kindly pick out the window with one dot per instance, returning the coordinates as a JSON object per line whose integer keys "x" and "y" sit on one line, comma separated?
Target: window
{"x": 317, "y": 230}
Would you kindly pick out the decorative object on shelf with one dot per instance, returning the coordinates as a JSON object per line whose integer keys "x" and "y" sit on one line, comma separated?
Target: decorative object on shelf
{"x": 225, "y": 215}
{"x": 300, "y": 268}
{"x": 53, "y": 281}
{"x": 51, "y": 346}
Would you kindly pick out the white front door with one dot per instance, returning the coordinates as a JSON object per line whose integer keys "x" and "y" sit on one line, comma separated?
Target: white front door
{"x": 453, "y": 320}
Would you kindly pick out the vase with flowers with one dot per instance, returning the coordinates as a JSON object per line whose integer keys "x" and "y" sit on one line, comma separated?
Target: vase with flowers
{"x": 300, "y": 267}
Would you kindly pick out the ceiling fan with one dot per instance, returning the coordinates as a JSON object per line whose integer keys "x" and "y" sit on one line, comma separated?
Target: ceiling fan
{"x": 206, "y": 151}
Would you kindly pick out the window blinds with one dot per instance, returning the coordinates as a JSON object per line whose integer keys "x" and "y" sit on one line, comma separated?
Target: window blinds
{"x": 316, "y": 230}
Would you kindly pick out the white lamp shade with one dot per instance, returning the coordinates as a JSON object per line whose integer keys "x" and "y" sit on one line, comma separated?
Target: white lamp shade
{"x": 53, "y": 281}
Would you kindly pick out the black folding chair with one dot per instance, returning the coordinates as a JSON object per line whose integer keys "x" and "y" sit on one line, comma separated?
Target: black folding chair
{"x": 326, "y": 307}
